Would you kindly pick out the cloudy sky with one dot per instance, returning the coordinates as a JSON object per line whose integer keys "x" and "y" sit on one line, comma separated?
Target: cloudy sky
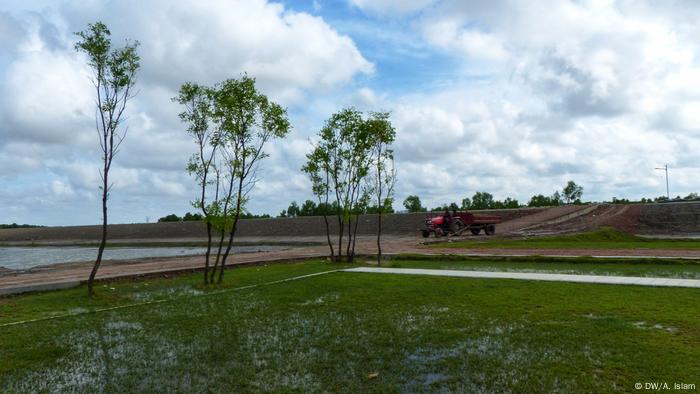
{"x": 510, "y": 97}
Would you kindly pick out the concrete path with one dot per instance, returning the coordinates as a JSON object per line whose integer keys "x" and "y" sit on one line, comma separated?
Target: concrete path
{"x": 600, "y": 279}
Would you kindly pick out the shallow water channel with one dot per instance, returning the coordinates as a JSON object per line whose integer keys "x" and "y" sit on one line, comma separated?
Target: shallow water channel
{"x": 27, "y": 257}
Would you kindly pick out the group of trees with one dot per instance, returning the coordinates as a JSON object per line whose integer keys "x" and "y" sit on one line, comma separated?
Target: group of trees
{"x": 570, "y": 194}
{"x": 230, "y": 123}
{"x": 196, "y": 217}
{"x": 15, "y": 225}
{"x": 480, "y": 200}
{"x": 188, "y": 217}
{"x": 310, "y": 208}
{"x": 351, "y": 168}
{"x": 690, "y": 197}
{"x": 351, "y": 165}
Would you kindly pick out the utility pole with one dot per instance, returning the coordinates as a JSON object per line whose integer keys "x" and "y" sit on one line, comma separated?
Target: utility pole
{"x": 665, "y": 168}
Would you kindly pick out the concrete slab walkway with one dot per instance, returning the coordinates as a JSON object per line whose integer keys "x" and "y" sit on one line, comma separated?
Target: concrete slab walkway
{"x": 600, "y": 279}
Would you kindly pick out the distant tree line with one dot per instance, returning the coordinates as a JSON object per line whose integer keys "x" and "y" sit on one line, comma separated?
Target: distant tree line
{"x": 189, "y": 217}
{"x": 194, "y": 217}
{"x": 690, "y": 197}
{"x": 570, "y": 194}
{"x": 15, "y": 225}
{"x": 310, "y": 208}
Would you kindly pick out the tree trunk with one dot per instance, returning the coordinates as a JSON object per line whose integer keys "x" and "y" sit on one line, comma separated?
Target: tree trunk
{"x": 379, "y": 237}
{"x": 228, "y": 249}
{"x": 328, "y": 236}
{"x": 218, "y": 256}
{"x": 354, "y": 237}
{"x": 341, "y": 227}
{"x": 232, "y": 234}
{"x": 103, "y": 242}
{"x": 206, "y": 256}
{"x": 347, "y": 248}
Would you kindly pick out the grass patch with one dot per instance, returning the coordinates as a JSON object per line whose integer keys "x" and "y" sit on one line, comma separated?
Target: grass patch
{"x": 605, "y": 238}
{"x": 354, "y": 332}
{"x": 663, "y": 268}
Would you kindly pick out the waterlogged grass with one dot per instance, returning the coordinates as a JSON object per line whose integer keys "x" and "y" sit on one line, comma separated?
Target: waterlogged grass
{"x": 605, "y": 238}
{"x": 356, "y": 332}
{"x": 663, "y": 268}
{"x": 154, "y": 288}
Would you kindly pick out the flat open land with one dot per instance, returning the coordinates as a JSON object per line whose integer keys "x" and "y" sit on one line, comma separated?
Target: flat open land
{"x": 355, "y": 332}
{"x": 289, "y": 320}
{"x": 588, "y": 230}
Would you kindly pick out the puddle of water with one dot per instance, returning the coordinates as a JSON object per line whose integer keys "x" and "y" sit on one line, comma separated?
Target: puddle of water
{"x": 23, "y": 258}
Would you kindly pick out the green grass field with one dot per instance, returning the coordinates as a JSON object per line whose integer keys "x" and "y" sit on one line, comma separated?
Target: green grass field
{"x": 605, "y": 238}
{"x": 351, "y": 332}
{"x": 662, "y": 268}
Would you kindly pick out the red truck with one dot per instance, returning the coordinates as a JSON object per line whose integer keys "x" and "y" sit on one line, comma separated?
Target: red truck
{"x": 456, "y": 223}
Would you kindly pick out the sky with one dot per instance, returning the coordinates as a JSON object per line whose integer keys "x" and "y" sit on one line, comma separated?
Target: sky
{"x": 510, "y": 97}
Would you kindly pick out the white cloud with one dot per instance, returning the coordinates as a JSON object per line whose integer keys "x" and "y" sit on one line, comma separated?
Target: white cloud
{"x": 596, "y": 91}
{"x": 46, "y": 96}
{"x": 474, "y": 44}
{"x": 61, "y": 189}
{"x": 207, "y": 41}
{"x": 48, "y": 140}
{"x": 504, "y": 96}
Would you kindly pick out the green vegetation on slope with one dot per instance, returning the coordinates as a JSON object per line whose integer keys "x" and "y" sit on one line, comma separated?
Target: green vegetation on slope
{"x": 334, "y": 332}
{"x": 605, "y": 238}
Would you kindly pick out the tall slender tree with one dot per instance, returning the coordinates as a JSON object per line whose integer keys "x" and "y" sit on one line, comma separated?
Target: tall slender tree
{"x": 338, "y": 165}
{"x": 383, "y": 176}
{"x": 318, "y": 169}
{"x": 197, "y": 114}
{"x": 113, "y": 75}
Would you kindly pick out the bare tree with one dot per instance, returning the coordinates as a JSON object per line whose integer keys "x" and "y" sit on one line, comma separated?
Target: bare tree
{"x": 114, "y": 76}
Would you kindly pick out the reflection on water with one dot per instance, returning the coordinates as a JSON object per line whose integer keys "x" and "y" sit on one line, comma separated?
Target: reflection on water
{"x": 23, "y": 258}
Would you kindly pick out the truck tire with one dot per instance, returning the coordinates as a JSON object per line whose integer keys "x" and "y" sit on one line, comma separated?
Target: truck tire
{"x": 425, "y": 233}
{"x": 476, "y": 231}
{"x": 456, "y": 225}
{"x": 490, "y": 229}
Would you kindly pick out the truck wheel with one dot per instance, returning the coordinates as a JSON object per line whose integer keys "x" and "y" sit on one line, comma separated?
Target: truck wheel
{"x": 456, "y": 225}
{"x": 476, "y": 231}
{"x": 425, "y": 233}
{"x": 490, "y": 229}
